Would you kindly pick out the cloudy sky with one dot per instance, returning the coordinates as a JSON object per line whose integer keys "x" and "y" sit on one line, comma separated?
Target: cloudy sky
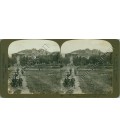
{"x": 73, "y": 45}
{"x": 19, "y": 45}
{"x": 52, "y": 46}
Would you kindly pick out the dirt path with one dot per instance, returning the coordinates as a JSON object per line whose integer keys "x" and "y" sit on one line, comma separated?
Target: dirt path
{"x": 77, "y": 89}
{"x": 71, "y": 90}
{"x": 22, "y": 89}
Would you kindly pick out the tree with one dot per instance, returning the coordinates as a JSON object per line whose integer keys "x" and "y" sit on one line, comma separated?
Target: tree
{"x": 11, "y": 61}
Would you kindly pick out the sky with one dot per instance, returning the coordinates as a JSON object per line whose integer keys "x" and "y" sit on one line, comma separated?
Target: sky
{"x": 20, "y": 45}
{"x": 91, "y": 44}
{"x": 67, "y": 47}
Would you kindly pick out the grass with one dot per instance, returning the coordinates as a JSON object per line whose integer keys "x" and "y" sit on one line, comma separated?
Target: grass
{"x": 43, "y": 81}
{"x": 96, "y": 81}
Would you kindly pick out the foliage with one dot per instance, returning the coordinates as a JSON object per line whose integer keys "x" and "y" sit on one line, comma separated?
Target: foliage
{"x": 105, "y": 59}
{"x": 42, "y": 59}
{"x": 56, "y": 58}
{"x": 11, "y": 61}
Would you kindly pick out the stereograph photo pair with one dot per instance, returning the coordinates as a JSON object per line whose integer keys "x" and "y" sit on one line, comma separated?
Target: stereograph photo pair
{"x": 59, "y": 68}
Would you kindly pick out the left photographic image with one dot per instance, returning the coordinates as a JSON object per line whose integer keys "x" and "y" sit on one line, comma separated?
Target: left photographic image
{"x": 33, "y": 67}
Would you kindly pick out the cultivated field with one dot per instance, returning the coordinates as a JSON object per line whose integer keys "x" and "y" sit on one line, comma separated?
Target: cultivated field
{"x": 48, "y": 81}
{"x": 45, "y": 81}
{"x": 97, "y": 81}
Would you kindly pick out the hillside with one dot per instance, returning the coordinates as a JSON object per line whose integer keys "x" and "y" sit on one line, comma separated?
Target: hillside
{"x": 83, "y": 53}
{"x": 34, "y": 52}
{"x": 86, "y": 53}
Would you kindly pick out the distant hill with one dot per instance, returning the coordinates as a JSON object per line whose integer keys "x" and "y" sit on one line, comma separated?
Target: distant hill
{"x": 34, "y": 52}
{"x": 86, "y": 53}
{"x": 83, "y": 53}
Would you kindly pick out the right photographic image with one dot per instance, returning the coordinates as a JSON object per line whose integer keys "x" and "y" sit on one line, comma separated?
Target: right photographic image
{"x": 87, "y": 67}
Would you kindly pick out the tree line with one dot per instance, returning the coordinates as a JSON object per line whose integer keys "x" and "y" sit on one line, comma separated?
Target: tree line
{"x": 55, "y": 59}
{"x": 42, "y": 59}
{"x": 101, "y": 60}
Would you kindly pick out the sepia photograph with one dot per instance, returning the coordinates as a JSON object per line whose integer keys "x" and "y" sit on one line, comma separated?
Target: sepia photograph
{"x": 46, "y": 67}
